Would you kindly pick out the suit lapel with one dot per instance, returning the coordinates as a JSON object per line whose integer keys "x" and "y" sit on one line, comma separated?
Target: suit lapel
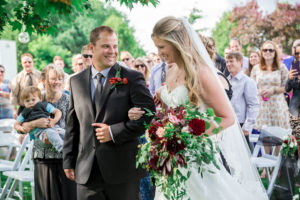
{"x": 87, "y": 83}
{"x": 106, "y": 91}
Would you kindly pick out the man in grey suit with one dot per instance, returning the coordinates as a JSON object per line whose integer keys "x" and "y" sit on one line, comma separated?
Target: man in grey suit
{"x": 101, "y": 142}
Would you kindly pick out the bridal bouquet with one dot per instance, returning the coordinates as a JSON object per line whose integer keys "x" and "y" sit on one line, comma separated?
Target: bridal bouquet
{"x": 289, "y": 146}
{"x": 177, "y": 140}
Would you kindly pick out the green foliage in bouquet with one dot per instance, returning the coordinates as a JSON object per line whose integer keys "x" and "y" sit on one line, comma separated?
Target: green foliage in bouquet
{"x": 178, "y": 141}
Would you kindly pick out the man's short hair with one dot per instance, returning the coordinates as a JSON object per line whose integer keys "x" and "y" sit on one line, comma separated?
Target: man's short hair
{"x": 127, "y": 53}
{"x": 85, "y": 48}
{"x": 57, "y": 58}
{"x": 237, "y": 55}
{"x": 26, "y": 54}
{"x": 235, "y": 39}
{"x": 94, "y": 35}
{"x": 25, "y": 94}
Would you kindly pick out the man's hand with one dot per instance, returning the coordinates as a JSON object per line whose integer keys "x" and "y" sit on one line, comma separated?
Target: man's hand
{"x": 70, "y": 174}
{"x": 102, "y": 132}
{"x": 246, "y": 133}
{"x": 51, "y": 123}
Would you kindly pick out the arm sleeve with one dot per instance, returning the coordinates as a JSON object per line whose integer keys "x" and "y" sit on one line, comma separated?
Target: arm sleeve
{"x": 50, "y": 108}
{"x": 20, "y": 118}
{"x": 140, "y": 97}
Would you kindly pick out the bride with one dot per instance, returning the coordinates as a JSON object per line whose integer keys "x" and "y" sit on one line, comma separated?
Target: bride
{"x": 193, "y": 77}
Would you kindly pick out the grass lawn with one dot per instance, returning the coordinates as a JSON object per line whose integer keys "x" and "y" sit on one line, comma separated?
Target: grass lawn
{"x": 26, "y": 188}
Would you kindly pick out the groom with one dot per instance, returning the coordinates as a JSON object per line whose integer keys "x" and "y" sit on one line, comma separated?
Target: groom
{"x": 100, "y": 145}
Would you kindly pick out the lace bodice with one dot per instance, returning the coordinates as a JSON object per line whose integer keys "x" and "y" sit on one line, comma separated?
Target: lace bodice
{"x": 176, "y": 97}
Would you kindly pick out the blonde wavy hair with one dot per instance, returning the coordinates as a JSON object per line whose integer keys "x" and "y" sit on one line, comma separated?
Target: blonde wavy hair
{"x": 173, "y": 31}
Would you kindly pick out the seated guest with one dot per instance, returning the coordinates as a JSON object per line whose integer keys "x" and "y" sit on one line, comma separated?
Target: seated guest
{"x": 245, "y": 96}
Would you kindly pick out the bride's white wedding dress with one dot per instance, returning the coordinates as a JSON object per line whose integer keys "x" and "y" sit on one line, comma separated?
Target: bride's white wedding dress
{"x": 219, "y": 185}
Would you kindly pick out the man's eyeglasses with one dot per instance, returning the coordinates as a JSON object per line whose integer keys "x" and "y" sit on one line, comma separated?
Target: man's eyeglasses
{"x": 270, "y": 50}
{"x": 2, "y": 71}
{"x": 87, "y": 55}
{"x": 297, "y": 53}
{"x": 125, "y": 59}
{"x": 141, "y": 65}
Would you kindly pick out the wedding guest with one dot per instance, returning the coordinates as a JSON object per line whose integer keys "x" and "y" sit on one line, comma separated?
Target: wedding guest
{"x": 157, "y": 77}
{"x": 155, "y": 58}
{"x": 253, "y": 60}
{"x": 127, "y": 58}
{"x": 235, "y": 45}
{"x": 226, "y": 51}
{"x": 271, "y": 76}
{"x": 281, "y": 53}
{"x": 58, "y": 61}
{"x": 149, "y": 62}
{"x": 77, "y": 66}
{"x": 27, "y": 77}
{"x": 293, "y": 84}
{"x": 87, "y": 55}
{"x": 288, "y": 61}
{"x": 245, "y": 96}
{"x": 210, "y": 48}
{"x": 141, "y": 66}
{"x": 49, "y": 178}
{"x": 6, "y": 109}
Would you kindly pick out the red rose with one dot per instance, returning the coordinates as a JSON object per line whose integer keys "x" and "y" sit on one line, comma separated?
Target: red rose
{"x": 286, "y": 142}
{"x": 119, "y": 79}
{"x": 197, "y": 126}
{"x": 113, "y": 80}
{"x": 125, "y": 81}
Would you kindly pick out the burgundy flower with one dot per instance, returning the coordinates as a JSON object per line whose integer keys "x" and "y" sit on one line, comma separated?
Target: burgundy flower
{"x": 286, "y": 142}
{"x": 174, "y": 145}
{"x": 153, "y": 162}
{"x": 197, "y": 126}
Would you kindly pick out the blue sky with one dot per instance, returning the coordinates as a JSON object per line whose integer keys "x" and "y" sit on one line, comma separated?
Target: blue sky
{"x": 143, "y": 19}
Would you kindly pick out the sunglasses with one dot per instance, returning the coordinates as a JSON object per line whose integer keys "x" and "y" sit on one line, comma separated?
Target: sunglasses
{"x": 270, "y": 50}
{"x": 2, "y": 71}
{"x": 87, "y": 55}
{"x": 297, "y": 53}
{"x": 79, "y": 63}
{"x": 125, "y": 59}
{"x": 137, "y": 66}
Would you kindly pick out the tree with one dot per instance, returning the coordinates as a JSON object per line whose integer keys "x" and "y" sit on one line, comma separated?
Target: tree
{"x": 41, "y": 15}
{"x": 71, "y": 37}
{"x": 253, "y": 28}
{"x": 221, "y": 33}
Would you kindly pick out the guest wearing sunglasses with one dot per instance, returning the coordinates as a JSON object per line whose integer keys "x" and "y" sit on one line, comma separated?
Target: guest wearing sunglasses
{"x": 289, "y": 61}
{"x": 271, "y": 76}
{"x": 6, "y": 108}
{"x": 87, "y": 55}
{"x": 141, "y": 66}
{"x": 127, "y": 58}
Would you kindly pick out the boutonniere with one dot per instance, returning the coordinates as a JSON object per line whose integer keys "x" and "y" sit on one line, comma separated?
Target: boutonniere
{"x": 117, "y": 80}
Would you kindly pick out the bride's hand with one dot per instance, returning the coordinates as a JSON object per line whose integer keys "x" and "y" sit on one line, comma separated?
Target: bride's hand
{"x": 135, "y": 113}
{"x": 156, "y": 98}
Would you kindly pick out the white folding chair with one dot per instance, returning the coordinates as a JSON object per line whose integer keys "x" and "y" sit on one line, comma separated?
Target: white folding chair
{"x": 18, "y": 173}
{"x": 269, "y": 161}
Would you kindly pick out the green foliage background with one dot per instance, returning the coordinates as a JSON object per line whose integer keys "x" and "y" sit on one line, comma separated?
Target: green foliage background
{"x": 72, "y": 34}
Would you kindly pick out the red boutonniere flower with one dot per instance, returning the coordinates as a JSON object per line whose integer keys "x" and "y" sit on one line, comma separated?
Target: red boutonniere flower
{"x": 117, "y": 80}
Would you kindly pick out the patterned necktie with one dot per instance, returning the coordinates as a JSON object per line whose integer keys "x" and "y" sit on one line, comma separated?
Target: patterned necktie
{"x": 163, "y": 73}
{"x": 29, "y": 80}
{"x": 98, "y": 92}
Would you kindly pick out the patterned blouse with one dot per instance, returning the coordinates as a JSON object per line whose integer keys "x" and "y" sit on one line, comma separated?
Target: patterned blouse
{"x": 45, "y": 151}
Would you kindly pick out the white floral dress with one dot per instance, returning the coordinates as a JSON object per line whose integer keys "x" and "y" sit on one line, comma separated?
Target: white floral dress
{"x": 273, "y": 112}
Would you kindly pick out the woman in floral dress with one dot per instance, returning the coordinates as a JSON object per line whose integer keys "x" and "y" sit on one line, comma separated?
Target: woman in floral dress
{"x": 271, "y": 76}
